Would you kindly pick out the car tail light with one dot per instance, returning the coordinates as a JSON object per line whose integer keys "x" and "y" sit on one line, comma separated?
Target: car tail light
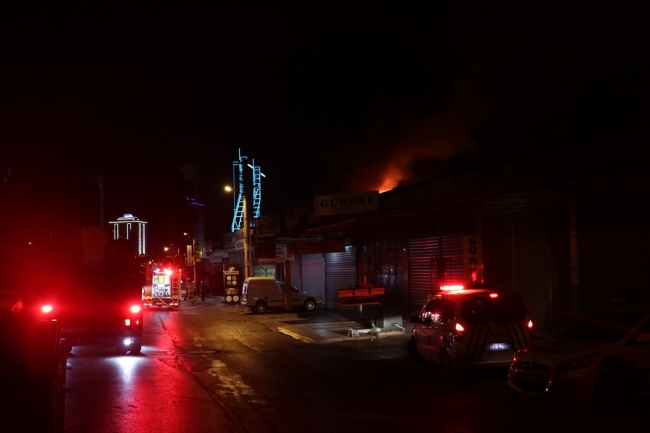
{"x": 458, "y": 335}
{"x": 530, "y": 325}
{"x": 135, "y": 309}
{"x": 46, "y": 309}
{"x": 494, "y": 295}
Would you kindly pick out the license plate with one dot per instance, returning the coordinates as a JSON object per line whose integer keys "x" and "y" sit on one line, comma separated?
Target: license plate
{"x": 498, "y": 347}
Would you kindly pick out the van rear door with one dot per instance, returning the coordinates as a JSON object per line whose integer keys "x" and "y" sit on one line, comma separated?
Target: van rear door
{"x": 497, "y": 327}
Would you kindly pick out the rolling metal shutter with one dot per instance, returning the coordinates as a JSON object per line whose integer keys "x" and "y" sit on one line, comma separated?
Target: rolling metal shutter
{"x": 340, "y": 273}
{"x": 313, "y": 274}
{"x": 422, "y": 267}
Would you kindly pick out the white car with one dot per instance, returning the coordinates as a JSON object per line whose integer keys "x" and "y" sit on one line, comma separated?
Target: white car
{"x": 472, "y": 328}
{"x": 602, "y": 358}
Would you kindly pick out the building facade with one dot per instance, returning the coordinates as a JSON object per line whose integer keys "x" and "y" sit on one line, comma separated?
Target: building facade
{"x": 131, "y": 228}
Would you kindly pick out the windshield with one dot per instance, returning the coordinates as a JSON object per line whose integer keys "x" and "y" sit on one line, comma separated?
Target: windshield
{"x": 481, "y": 310}
{"x": 293, "y": 288}
{"x": 602, "y": 326}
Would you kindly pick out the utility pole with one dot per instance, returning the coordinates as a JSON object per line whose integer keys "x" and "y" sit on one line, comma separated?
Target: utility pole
{"x": 247, "y": 240}
{"x": 194, "y": 259}
{"x": 287, "y": 285}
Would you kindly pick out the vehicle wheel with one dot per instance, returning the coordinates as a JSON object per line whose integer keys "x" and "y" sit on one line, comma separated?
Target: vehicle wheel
{"x": 413, "y": 350}
{"x": 612, "y": 389}
{"x": 310, "y": 304}
{"x": 445, "y": 363}
{"x": 260, "y": 307}
{"x": 120, "y": 350}
{"x": 135, "y": 350}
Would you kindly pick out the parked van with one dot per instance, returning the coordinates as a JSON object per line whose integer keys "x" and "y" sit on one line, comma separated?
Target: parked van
{"x": 263, "y": 293}
{"x": 470, "y": 328}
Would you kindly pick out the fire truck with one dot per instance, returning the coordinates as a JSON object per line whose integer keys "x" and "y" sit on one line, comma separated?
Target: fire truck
{"x": 99, "y": 303}
{"x": 162, "y": 285}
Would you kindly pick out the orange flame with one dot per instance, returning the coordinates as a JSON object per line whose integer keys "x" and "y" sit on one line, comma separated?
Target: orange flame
{"x": 391, "y": 178}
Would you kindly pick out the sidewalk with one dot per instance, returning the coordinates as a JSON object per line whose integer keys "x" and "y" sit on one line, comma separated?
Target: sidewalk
{"x": 323, "y": 325}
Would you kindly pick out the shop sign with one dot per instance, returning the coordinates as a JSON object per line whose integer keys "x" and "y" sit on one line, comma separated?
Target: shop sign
{"x": 267, "y": 226}
{"x": 341, "y": 204}
{"x": 285, "y": 252}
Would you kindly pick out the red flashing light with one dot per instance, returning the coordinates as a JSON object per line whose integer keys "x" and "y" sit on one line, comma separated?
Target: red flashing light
{"x": 452, "y": 287}
{"x": 494, "y": 295}
{"x": 459, "y": 327}
{"x": 46, "y": 309}
{"x": 135, "y": 309}
{"x": 168, "y": 271}
{"x": 530, "y": 325}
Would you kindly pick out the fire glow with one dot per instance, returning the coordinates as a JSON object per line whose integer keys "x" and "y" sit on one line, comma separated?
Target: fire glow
{"x": 391, "y": 178}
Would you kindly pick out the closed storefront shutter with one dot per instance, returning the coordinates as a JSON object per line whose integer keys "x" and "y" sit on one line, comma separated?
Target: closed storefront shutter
{"x": 419, "y": 268}
{"x": 313, "y": 274}
{"x": 423, "y": 271}
{"x": 341, "y": 273}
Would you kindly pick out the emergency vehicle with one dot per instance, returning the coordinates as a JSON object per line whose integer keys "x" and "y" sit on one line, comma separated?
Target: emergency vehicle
{"x": 99, "y": 302}
{"x": 461, "y": 327}
{"x": 162, "y": 286}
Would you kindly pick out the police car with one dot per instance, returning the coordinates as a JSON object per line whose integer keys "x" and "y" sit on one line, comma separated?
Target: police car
{"x": 603, "y": 358}
{"x": 460, "y": 327}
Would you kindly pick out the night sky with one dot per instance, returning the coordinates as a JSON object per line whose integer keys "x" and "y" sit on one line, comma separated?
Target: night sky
{"x": 324, "y": 98}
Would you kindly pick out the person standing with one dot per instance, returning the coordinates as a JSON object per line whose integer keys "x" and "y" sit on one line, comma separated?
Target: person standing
{"x": 202, "y": 291}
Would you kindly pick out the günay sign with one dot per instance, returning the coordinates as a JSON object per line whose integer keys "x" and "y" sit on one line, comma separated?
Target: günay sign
{"x": 340, "y": 204}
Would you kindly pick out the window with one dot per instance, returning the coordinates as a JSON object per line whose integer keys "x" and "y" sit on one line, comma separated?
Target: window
{"x": 439, "y": 310}
{"x": 481, "y": 310}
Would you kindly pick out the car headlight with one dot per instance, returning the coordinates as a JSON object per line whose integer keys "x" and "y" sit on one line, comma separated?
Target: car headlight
{"x": 577, "y": 363}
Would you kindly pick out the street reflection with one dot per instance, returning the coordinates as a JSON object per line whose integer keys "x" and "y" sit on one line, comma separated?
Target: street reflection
{"x": 127, "y": 366}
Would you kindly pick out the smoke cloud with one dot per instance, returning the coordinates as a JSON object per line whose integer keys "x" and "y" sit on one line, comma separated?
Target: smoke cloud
{"x": 409, "y": 152}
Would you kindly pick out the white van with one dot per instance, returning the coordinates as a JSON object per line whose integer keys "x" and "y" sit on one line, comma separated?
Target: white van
{"x": 263, "y": 293}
